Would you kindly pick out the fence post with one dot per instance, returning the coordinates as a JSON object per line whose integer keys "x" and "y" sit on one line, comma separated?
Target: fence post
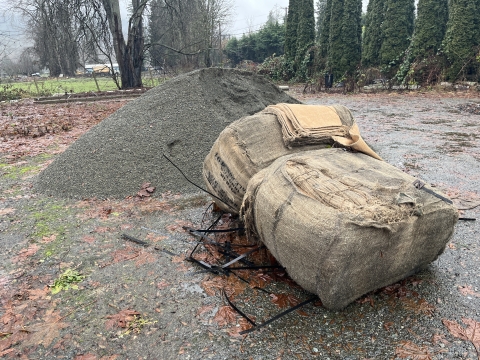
{"x": 96, "y": 82}
{"x": 36, "y": 85}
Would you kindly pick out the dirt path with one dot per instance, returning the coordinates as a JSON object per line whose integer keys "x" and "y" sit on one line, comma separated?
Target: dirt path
{"x": 126, "y": 301}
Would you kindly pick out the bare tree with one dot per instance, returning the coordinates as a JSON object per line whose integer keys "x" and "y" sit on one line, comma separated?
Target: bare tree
{"x": 50, "y": 23}
{"x": 64, "y": 30}
{"x": 96, "y": 41}
{"x": 186, "y": 33}
{"x": 28, "y": 63}
{"x": 129, "y": 52}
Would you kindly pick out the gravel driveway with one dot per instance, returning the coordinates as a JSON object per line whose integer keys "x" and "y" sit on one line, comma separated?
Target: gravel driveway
{"x": 139, "y": 302}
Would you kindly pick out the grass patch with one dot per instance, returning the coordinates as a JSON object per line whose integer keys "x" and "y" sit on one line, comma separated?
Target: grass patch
{"x": 24, "y": 168}
{"x": 13, "y": 172}
{"x": 47, "y": 220}
{"x": 48, "y": 87}
{"x": 68, "y": 280}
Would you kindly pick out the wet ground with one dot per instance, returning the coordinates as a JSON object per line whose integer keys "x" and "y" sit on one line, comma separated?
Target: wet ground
{"x": 146, "y": 303}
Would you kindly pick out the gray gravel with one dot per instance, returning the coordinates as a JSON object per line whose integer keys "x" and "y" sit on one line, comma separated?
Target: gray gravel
{"x": 181, "y": 118}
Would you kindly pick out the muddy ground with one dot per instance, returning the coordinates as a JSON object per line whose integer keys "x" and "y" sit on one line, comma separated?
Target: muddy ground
{"x": 120, "y": 300}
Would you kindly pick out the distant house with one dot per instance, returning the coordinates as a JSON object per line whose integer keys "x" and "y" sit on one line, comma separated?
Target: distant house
{"x": 100, "y": 68}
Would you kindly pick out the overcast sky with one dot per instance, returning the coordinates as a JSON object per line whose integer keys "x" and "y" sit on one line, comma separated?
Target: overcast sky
{"x": 252, "y": 14}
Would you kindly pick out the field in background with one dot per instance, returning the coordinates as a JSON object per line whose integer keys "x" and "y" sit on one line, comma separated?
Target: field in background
{"x": 40, "y": 86}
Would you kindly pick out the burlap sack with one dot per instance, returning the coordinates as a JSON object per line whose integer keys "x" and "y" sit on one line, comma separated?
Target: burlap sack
{"x": 252, "y": 143}
{"x": 344, "y": 224}
{"x": 309, "y": 124}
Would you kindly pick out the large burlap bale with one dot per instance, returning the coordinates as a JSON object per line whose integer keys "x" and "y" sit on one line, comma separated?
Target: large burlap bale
{"x": 344, "y": 224}
{"x": 247, "y": 146}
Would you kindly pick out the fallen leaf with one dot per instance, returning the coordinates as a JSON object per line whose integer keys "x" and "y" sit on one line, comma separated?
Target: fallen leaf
{"x": 366, "y": 299}
{"x": 25, "y": 253}
{"x": 397, "y": 290}
{"x": 284, "y": 300}
{"x": 144, "y": 258}
{"x": 37, "y": 294}
{"x": 145, "y": 191}
{"x": 127, "y": 253}
{"x": 121, "y": 319}
{"x": 217, "y": 283}
{"x": 234, "y": 287}
{"x": 107, "y": 210}
{"x": 419, "y": 306}
{"x": 43, "y": 334}
{"x": 470, "y": 333}
{"x": 407, "y": 349}
{"x": 225, "y": 315}
{"x": 260, "y": 280}
{"x": 242, "y": 325}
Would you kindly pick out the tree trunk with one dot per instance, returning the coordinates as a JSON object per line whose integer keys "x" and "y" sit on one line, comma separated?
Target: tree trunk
{"x": 129, "y": 54}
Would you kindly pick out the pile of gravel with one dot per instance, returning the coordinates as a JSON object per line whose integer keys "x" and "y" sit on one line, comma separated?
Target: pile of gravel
{"x": 181, "y": 118}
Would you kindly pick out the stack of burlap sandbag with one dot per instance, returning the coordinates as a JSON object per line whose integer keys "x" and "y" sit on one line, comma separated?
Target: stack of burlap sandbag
{"x": 342, "y": 223}
{"x": 252, "y": 143}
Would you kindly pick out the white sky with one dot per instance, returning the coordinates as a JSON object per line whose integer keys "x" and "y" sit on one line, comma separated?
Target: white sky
{"x": 252, "y": 14}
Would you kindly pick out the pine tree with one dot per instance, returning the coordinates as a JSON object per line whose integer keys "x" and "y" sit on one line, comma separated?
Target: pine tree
{"x": 463, "y": 38}
{"x": 306, "y": 29}
{"x": 335, "y": 39}
{"x": 352, "y": 36}
{"x": 291, "y": 30}
{"x": 430, "y": 27}
{"x": 372, "y": 38}
{"x": 397, "y": 30}
{"x": 321, "y": 14}
{"x": 324, "y": 37}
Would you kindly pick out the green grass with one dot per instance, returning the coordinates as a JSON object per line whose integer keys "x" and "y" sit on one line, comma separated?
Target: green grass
{"x": 47, "y": 87}
{"x": 67, "y": 281}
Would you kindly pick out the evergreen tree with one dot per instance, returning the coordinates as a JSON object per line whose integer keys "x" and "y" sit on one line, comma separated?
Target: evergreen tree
{"x": 291, "y": 30}
{"x": 270, "y": 40}
{"x": 430, "y": 27}
{"x": 397, "y": 30}
{"x": 352, "y": 36}
{"x": 372, "y": 38}
{"x": 335, "y": 39}
{"x": 306, "y": 29}
{"x": 321, "y": 14}
{"x": 462, "y": 39}
{"x": 324, "y": 24}
{"x": 232, "y": 51}
{"x": 257, "y": 46}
